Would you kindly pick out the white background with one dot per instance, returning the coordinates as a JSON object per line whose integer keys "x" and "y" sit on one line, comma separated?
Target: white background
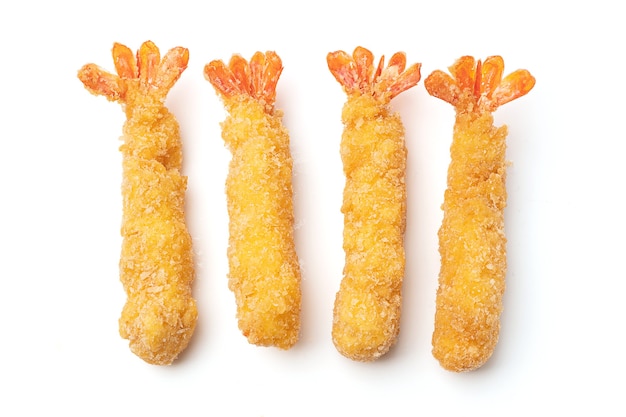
{"x": 561, "y": 347}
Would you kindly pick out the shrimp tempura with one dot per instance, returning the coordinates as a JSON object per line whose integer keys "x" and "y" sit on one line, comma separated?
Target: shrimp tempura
{"x": 472, "y": 243}
{"x": 264, "y": 271}
{"x": 366, "y": 319}
{"x": 156, "y": 265}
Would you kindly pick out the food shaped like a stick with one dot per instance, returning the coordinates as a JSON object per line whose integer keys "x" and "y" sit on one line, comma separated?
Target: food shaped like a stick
{"x": 367, "y": 308}
{"x": 472, "y": 243}
{"x": 156, "y": 265}
{"x": 264, "y": 273}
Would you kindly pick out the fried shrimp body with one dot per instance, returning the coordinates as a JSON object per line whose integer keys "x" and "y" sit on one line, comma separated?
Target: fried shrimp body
{"x": 472, "y": 243}
{"x": 366, "y": 316}
{"x": 264, "y": 272}
{"x": 156, "y": 265}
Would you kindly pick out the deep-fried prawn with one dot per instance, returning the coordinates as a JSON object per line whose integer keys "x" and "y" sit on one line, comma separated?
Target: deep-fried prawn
{"x": 472, "y": 243}
{"x": 264, "y": 272}
{"x": 156, "y": 265}
{"x": 366, "y": 319}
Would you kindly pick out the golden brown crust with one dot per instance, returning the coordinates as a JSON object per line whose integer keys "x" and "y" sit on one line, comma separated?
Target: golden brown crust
{"x": 472, "y": 246}
{"x": 367, "y": 307}
{"x": 156, "y": 265}
{"x": 264, "y": 270}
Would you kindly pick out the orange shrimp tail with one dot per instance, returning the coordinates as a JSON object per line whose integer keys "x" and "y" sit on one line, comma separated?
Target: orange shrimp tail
{"x": 102, "y": 83}
{"x": 357, "y": 73}
{"x": 257, "y": 78}
{"x": 148, "y": 71}
{"x": 475, "y": 84}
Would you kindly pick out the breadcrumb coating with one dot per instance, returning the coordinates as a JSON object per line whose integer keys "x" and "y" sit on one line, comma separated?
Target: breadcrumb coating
{"x": 264, "y": 272}
{"x": 156, "y": 263}
{"x": 472, "y": 246}
{"x": 367, "y": 307}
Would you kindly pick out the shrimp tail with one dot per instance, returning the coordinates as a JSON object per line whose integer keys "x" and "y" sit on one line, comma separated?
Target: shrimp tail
{"x": 146, "y": 73}
{"x": 256, "y": 79}
{"x": 357, "y": 74}
{"x": 478, "y": 86}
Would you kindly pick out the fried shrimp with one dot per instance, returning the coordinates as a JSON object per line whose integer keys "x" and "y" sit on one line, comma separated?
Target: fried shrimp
{"x": 367, "y": 308}
{"x": 264, "y": 271}
{"x": 156, "y": 265}
{"x": 472, "y": 242}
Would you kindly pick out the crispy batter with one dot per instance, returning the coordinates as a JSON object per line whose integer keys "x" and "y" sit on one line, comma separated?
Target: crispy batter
{"x": 472, "y": 242}
{"x": 264, "y": 271}
{"x": 156, "y": 264}
{"x": 367, "y": 308}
